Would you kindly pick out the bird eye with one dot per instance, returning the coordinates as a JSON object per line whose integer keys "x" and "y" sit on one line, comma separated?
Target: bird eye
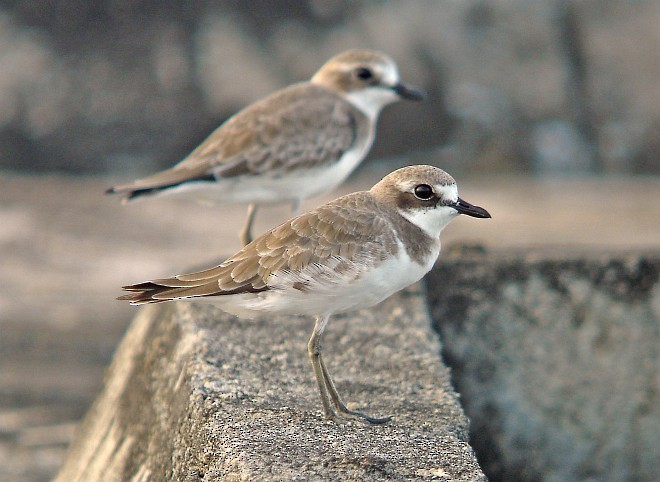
{"x": 423, "y": 192}
{"x": 363, "y": 73}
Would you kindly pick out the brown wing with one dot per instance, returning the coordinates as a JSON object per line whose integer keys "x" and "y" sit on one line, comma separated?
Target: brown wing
{"x": 341, "y": 230}
{"x": 284, "y": 131}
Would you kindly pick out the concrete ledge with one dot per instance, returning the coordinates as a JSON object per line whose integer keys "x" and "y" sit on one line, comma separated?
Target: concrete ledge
{"x": 555, "y": 356}
{"x": 196, "y": 395}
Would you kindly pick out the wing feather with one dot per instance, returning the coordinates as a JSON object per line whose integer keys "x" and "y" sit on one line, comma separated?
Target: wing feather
{"x": 282, "y": 132}
{"x": 319, "y": 245}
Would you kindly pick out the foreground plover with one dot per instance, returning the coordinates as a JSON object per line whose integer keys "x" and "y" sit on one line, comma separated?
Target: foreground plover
{"x": 297, "y": 143}
{"x": 348, "y": 254}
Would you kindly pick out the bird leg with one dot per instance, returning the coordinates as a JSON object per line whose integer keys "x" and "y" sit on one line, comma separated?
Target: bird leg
{"x": 327, "y": 389}
{"x": 313, "y": 348}
{"x": 246, "y": 232}
{"x": 295, "y": 207}
{"x": 341, "y": 406}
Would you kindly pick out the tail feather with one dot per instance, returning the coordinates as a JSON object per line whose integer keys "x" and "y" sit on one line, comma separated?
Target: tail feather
{"x": 154, "y": 292}
{"x": 143, "y": 188}
{"x": 143, "y": 293}
{"x": 137, "y": 193}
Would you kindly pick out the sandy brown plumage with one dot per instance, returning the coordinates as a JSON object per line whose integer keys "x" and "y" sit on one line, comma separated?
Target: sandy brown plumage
{"x": 280, "y": 133}
{"x": 348, "y": 254}
{"x": 353, "y": 227}
{"x": 292, "y": 145}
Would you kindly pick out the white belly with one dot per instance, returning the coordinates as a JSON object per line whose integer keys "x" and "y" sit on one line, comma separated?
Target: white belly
{"x": 341, "y": 294}
{"x": 295, "y": 186}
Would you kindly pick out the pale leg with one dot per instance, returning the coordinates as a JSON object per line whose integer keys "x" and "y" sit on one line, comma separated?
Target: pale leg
{"x": 329, "y": 394}
{"x": 246, "y": 233}
{"x": 295, "y": 207}
{"x": 341, "y": 406}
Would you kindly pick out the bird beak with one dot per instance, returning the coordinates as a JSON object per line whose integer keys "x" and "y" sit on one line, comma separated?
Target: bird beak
{"x": 408, "y": 92}
{"x": 464, "y": 207}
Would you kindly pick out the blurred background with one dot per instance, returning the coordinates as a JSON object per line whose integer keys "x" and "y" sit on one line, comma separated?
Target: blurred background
{"x": 123, "y": 88}
{"x": 546, "y": 111}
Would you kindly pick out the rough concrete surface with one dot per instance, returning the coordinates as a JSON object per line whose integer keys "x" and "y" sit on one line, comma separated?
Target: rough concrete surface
{"x": 65, "y": 249}
{"x": 195, "y": 394}
{"x": 556, "y": 360}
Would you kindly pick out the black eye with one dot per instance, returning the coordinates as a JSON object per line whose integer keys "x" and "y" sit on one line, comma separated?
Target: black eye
{"x": 423, "y": 192}
{"x": 363, "y": 73}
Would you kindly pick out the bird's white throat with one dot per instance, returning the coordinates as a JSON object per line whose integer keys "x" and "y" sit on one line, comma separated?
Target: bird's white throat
{"x": 371, "y": 100}
{"x": 432, "y": 221}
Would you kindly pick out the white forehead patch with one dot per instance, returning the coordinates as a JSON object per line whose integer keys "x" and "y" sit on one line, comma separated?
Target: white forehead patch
{"x": 447, "y": 192}
{"x": 390, "y": 74}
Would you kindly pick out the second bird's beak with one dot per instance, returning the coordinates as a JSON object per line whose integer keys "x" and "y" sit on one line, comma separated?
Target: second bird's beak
{"x": 408, "y": 93}
{"x": 464, "y": 207}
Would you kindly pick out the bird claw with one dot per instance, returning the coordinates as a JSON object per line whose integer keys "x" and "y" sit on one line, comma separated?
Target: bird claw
{"x": 344, "y": 415}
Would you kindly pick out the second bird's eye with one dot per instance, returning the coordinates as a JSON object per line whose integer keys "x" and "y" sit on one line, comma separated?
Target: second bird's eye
{"x": 363, "y": 73}
{"x": 423, "y": 192}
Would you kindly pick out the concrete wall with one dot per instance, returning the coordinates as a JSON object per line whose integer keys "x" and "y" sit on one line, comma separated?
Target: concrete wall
{"x": 194, "y": 394}
{"x": 556, "y": 361}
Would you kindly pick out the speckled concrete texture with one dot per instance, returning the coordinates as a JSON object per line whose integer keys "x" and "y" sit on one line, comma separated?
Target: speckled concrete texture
{"x": 555, "y": 356}
{"x": 197, "y": 395}
{"x": 65, "y": 249}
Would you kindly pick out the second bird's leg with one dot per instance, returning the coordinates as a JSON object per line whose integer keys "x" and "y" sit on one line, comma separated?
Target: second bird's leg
{"x": 295, "y": 207}
{"x": 327, "y": 389}
{"x": 246, "y": 232}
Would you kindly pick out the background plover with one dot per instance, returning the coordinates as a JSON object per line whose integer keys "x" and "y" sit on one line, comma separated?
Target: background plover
{"x": 297, "y": 143}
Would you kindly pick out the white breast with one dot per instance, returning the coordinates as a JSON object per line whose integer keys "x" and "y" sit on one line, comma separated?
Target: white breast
{"x": 328, "y": 292}
{"x": 296, "y": 185}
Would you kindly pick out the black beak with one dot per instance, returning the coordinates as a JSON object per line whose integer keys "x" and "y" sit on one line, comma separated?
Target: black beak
{"x": 408, "y": 92}
{"x": 464, "y": 207}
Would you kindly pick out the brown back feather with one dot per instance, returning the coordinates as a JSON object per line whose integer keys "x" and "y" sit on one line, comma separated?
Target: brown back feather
{"x": 282, "y": 131}
{"x": 336, "y": 230}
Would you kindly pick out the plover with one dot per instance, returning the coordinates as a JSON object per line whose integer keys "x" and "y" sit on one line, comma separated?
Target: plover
{"x": 297, "y": 143}
{"x": 348, "y": 254}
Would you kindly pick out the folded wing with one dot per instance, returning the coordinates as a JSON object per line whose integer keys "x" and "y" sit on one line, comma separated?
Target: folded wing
{"x": 326, "y": 240}
{"x": 282, "y": 132}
